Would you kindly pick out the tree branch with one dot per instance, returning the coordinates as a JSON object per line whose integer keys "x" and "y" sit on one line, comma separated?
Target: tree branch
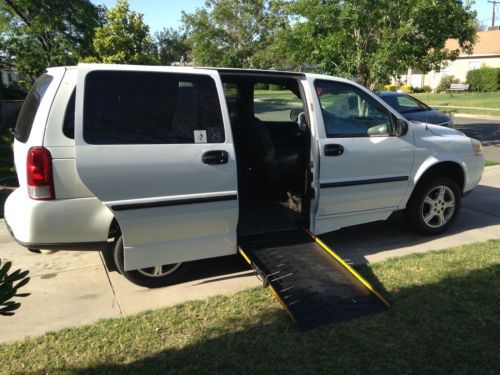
{"x": 26, "y": 20}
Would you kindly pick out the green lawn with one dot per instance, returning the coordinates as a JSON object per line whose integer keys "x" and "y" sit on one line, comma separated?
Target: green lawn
{"x": 489, "y": 163}
{"x": 445, "y": 319}
{"x": 446, "y": 101}
{"x": 442, "y": 101}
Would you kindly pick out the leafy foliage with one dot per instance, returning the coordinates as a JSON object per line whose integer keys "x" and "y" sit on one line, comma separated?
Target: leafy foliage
{"x": 484, "y": 79}
{"x": 10, "y": 283}
{"x": 446, "y": 82}
{"x": 374, "y": 40}
{"x": 173, "y": 46}
{"x": 235, "y": 33}
{"x": 123, "y": 38}
{"x": 42, "y": 33}
{"x": 12, "y": 92}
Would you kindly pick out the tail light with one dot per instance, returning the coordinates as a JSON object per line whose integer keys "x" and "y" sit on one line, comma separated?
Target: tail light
{"x": 39, "y": 168}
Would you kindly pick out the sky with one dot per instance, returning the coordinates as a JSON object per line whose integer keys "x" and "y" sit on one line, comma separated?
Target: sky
{"x": 167, "y": 13}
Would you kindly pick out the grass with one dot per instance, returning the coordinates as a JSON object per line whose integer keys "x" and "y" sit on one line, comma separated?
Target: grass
{"x": 489, "y": 163}
{"x": 490, "y": 101}
{"x": 444, "y": 320}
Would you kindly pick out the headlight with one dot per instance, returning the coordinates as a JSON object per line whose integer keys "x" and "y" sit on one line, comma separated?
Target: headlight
{"x": 476, "y": 146}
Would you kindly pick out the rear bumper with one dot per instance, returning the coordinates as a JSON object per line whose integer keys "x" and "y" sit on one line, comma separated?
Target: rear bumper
{"x": 58, "y": 246}
{"x": 67, "y": 224}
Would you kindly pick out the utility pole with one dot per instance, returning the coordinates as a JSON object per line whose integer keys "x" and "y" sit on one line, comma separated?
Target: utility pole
{"x": 494, "y": 10}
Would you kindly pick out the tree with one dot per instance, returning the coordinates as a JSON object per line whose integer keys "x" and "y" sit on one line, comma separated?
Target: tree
{"x": 373, "y": 40}
{"x": 173, "y": 46}
{"x": 42, "y": 33}
{"x": 234, "y": 33}
{"x": 123, "y": 38}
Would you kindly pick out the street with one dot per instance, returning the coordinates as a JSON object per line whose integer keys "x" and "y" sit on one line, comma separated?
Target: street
{"x": 485, "y": 130}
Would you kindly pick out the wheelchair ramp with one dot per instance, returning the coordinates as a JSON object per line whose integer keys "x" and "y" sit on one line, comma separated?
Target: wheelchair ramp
{"x": 314, "y": 285}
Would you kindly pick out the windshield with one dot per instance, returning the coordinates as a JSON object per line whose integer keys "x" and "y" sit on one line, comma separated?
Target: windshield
{"x": 405, "y": 103}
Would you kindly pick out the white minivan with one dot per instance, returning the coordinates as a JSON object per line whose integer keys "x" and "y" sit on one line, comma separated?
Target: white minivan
{"x": 178, "y": 164}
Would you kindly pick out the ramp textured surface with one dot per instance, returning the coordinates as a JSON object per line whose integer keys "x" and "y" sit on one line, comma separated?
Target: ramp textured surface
{"x": 315, "y": 288}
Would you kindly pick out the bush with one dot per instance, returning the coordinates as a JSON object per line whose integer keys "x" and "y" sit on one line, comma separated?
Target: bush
{"x": 10, "y": 283}
{"x": 425, "y": 88}
{"x": 406, "y": 89}
{"x": 390, "y": 88}
{"x": 446, "y": 82}
{"x": 261, "y": 86}
{"x": 12, "y": 92}
{"x": 274, "y": 87}
{"x": 484, "y": 79}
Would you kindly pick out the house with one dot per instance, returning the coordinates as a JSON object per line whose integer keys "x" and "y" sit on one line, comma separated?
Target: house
{"x": 486, "y": 54}
{"x": 9, "y": 74}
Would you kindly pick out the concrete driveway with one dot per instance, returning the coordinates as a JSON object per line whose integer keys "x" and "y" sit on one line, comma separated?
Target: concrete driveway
{"x": 75, "y": 288}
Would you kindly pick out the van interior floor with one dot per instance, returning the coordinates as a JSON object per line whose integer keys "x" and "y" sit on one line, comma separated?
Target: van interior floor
{"x": 265, "y": 216}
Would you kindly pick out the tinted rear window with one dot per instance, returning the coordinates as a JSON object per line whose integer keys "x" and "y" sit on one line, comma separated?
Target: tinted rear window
{"x": 69, "y": 118}
{"x": 151, "y": 108}
{"x": 30, "y": 107}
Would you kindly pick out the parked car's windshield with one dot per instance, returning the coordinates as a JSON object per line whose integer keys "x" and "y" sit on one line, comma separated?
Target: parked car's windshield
{"x": 404, "y": 103}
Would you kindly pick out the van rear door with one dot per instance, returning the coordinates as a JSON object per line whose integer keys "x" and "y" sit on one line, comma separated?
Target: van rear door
{"x": 154, "y": 144}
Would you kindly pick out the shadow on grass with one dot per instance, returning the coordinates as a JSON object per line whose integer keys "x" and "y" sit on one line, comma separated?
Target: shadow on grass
{"x": 451, "y": 326}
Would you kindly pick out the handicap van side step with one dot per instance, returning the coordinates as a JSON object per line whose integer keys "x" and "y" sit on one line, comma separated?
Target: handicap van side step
{"x": 313, "y": 284}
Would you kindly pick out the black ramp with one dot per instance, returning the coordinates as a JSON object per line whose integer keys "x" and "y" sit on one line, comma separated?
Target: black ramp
{"x": 314, "y": 286}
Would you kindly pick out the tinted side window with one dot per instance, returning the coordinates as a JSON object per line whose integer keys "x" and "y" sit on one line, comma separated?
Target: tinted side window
{"x": 30, "y": 107}
{"x": 151, "y": 108}
{"x": 349, "y": 112}
{"x": 69, "y": 118}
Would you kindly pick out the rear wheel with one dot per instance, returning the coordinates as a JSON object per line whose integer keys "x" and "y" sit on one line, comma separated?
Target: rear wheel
{"x": 434, "y": 206}
{"x": 151, "y": 277}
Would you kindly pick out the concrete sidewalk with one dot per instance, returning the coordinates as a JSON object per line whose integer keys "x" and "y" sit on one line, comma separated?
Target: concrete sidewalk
{"x": 74, "y": 288}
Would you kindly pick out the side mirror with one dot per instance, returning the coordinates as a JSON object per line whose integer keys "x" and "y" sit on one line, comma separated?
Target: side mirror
{"x": 400, "y": 127}
{"x": 302, "y": 122}
{"x": 294, "y": 114}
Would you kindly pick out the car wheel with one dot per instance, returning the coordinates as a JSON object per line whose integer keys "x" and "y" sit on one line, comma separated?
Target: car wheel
{"x": 151, "y": 277}
{"x": 434, "y": 206}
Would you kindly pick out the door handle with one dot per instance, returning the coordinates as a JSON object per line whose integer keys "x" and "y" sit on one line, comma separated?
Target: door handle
{"x": 215, "y": 157}
{"x": 334, "y": 150}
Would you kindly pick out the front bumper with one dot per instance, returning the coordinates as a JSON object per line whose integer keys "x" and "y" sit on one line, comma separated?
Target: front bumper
{"x": 474, "y": 173}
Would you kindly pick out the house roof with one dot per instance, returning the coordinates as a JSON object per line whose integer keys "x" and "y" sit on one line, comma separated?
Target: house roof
{"x": 488, "y": 43}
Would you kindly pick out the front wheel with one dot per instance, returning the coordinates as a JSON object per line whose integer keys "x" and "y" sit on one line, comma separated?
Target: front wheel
{"x": 151, "y": 277}
{"x": 434, "y": 206}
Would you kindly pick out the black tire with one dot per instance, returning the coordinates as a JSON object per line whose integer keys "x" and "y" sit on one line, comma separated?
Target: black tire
{"x": 174, "y": 273}
{"x": 433, "y": 218}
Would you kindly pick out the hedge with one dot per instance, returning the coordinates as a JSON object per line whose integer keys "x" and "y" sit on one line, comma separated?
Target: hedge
{"x": 446, "y": 82}
{"x": 484, "y": 79}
